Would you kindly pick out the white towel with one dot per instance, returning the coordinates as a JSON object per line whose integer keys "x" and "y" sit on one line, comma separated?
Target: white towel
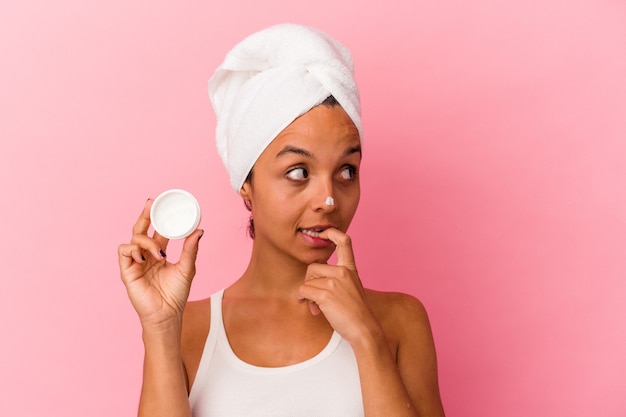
{"x": 269, "y": 79}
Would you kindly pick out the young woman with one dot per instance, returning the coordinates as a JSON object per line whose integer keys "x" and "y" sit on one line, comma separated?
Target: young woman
{"x": 293, "y": 336}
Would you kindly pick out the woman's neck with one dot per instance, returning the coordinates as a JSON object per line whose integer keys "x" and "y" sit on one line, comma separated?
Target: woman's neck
{"x": 271, "y": 273}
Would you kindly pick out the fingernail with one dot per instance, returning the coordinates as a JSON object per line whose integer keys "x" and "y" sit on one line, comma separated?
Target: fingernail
{"x": 200, "y": 237}
{"x": 163, "y": 255}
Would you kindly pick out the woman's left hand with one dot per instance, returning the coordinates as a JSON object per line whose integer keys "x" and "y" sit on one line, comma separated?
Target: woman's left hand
{"x": 337, "y": 292}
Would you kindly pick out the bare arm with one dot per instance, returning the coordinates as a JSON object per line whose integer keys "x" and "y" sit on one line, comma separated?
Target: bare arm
{"x": 392, "y": 385}
{"x": 158, "y": 291}
{"x": 401, "y": 382}
{"x": 383, "y": 390}
{"x": 164, "y": 389}
{"x": 416, "y": 357}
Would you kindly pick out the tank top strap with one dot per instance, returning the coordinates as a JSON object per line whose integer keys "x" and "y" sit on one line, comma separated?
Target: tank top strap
{"x": 216, "y": 310}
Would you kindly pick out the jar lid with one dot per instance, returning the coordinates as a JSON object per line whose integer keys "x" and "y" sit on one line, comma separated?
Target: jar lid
{"x": 175, "y": 214}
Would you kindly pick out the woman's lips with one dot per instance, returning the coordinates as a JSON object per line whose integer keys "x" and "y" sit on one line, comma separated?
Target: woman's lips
{"x": 312, "y": 232}
{"x": 312, "y": 235}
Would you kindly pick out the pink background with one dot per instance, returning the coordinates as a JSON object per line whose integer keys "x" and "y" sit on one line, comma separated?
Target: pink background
{"x": 493, "y": 187}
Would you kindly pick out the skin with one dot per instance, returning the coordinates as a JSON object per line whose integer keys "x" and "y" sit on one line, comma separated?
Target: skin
{"x": 285, "y": 306}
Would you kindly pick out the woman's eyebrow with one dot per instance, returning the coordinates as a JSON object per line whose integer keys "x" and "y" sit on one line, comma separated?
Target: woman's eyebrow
{"x": 353, "y": 149}
{"x": 293, "y": 149}
{"x": 303, "y": 152}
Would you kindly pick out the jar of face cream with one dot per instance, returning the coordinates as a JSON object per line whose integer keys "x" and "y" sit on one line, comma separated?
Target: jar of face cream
{"x": 175, "y": 214}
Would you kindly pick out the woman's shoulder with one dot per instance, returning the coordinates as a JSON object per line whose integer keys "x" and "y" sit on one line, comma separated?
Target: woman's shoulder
{"x": 193, "y": 308}
{"x": 400, "y": 314}
{"x": 395, "y": 304}
{"x": 196, "y": 323}
{"x": 196, "y": 318}
{"x": 407, "y": 328}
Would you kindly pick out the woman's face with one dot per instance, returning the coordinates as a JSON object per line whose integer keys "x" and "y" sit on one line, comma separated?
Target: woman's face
{"x": 317, "y": 156}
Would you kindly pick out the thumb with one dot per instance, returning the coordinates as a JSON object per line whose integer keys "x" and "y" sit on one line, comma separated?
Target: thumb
{"x": 345, "y": 255}
{"x": 187, "y": 261}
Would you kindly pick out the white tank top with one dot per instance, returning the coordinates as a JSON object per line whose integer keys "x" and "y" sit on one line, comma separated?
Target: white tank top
{"x": 326, "y": 385}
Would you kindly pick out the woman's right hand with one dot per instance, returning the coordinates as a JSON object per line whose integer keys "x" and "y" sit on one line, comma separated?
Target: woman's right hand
{"x": 158, "y": 289}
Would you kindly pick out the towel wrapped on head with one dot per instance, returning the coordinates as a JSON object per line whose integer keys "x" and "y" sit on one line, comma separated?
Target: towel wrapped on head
{"x": 269, "y": 79}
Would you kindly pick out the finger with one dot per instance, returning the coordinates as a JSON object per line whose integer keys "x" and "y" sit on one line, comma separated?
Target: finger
{"x": 160, "y": 240}
{"x": 187, "y": 261}
{"x": 310, "y": 293}
{"x": 149, "y": 245}
{"x": 314, "y": 308}
{"x": 316, "y": 270}
{"x": 143, "y": 222}
{"x": 128, "y": 254}
{"x": 345, "y": 255}
{"x": 323, "y": 271}
{"x": 328, "y": 276}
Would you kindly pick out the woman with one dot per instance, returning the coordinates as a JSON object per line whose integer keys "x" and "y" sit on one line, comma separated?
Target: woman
{"x": 293, "y": 336}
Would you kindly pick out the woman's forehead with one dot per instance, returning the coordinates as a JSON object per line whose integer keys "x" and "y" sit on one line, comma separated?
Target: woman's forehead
{"x": 319, "y": 128}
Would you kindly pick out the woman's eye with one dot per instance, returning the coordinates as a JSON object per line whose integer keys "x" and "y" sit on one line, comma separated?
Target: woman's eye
{"x": 348, "y": 173}
{"x": 298, "y": 174}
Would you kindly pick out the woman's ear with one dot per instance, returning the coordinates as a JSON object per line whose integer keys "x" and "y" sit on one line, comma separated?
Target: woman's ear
{"x": 246, "y": 191}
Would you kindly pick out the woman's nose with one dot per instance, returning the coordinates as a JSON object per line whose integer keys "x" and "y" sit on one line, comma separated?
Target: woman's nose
{"x": 323, "y": 198}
